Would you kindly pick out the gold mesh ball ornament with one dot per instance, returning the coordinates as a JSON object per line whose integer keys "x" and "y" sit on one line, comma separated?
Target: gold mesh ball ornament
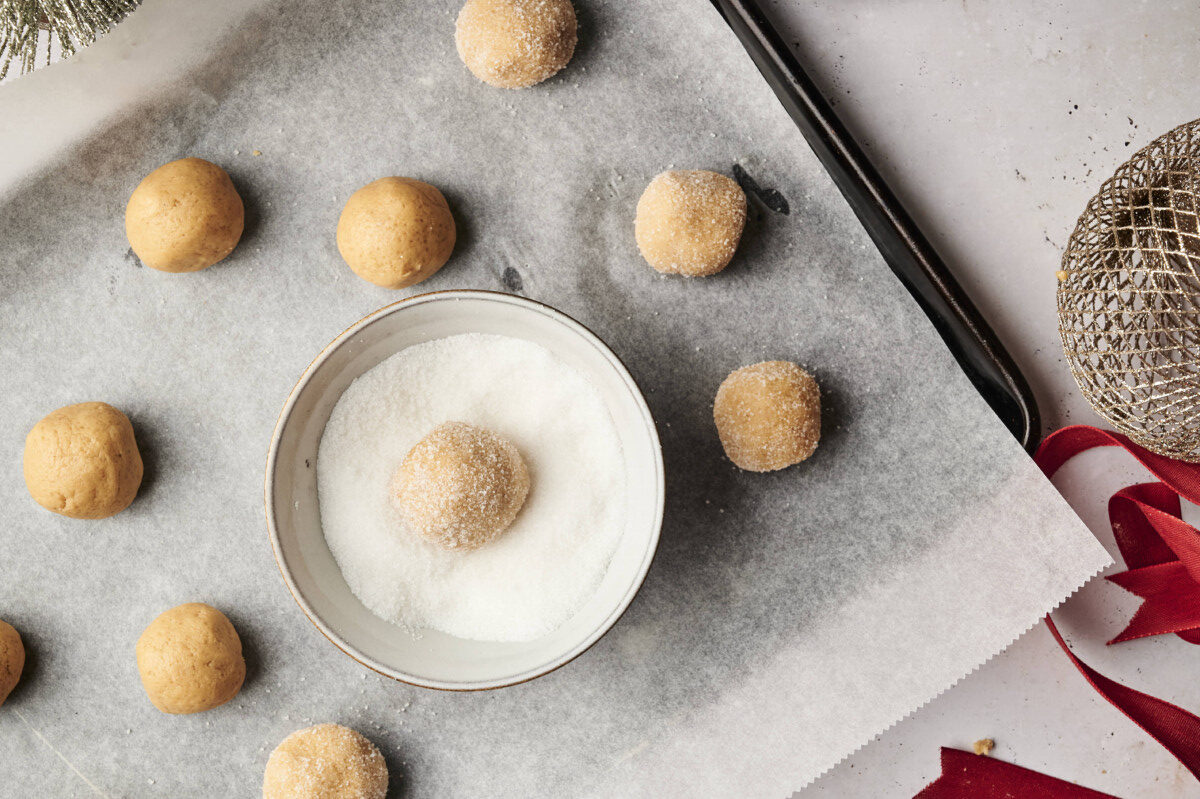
{"x": 1129, "y": 297}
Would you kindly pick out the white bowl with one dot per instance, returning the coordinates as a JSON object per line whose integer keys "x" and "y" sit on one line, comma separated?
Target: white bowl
{"x": 433, "y": 659}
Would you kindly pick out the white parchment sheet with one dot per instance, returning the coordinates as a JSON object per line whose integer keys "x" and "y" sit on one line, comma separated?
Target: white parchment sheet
{"x": 788, "y": 617}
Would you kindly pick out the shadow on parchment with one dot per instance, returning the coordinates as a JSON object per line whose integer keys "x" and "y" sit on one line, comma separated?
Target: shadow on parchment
{"x": 253, "y": 206}
{"x": 149, "y": 446}
{"x": 465, "y": 236}
{"x": 399, "y": 786}
{"x": 592, "y": 32}
{"x": 252, "y": 649}
{"x": 30, "y": 673}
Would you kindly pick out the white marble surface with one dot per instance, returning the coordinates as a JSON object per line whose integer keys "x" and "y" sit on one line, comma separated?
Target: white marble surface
{"x": 995, "y": 122}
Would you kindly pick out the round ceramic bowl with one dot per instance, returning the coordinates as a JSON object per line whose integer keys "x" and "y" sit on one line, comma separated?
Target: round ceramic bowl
{"x": 433, "y": 659}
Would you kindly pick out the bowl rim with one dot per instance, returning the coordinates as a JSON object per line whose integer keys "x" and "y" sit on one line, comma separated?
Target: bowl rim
{"x": 273, "y": 461}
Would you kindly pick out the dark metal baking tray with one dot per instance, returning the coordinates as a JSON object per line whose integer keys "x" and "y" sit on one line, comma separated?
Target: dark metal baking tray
{"x": 909, "y": 254}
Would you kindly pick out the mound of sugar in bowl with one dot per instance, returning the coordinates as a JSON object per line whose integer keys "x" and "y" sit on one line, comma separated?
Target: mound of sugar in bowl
{"x": 535, "y": 572}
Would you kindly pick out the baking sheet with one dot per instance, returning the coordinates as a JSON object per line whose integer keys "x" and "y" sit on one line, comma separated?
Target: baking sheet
{"x": 788, "y": 617}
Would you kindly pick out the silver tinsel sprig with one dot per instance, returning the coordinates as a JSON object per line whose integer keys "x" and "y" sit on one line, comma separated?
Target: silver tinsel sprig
{"x": 72, "y": 23}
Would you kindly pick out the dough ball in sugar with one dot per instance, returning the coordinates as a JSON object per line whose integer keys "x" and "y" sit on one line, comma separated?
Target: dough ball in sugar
{"x": 184, "y": 216}
{"x": 190, "y": 659}
{"x": 768, "y": 415}
{"x": 327, "y": 761}
{"x": 12, "y": 659}
{"x": 513, "y": 44}
{"x": 689, "y": 222}
{"x": 82, "y": 461}
{"x": 395, "y": 232}
{"x": 461, "y": 486}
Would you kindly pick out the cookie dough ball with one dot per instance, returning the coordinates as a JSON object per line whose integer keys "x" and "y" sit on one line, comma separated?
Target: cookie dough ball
{"x": 513, "y": 44}
{"x": 689, "y": 222}
{"x": 461, "y": 486}
{"x": 82, "y": 461}
{"x": 768, "y": 415}
{"x": 395, "y": 232}
{"x": 327, "y": 761}
{"x": 12, "y": 659}
{"x": 190, "y": 659}
{"x": 184, "y": 216}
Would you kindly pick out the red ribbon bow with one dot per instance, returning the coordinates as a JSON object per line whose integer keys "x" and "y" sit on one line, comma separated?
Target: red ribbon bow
{"x": 1163, "y": 555}
{"x": 1161, "y": 550}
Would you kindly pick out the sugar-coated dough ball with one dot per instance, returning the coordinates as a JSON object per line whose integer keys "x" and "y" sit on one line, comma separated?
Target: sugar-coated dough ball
{"x": 768, "y": 415}
{"x": 461, "y": 486}
{"x": 395, "y": 232}
{"x": 689, "y": 222}
{"x": 82, "y": 461}
{"x": 327, "y": 761}
{"x": 513, "y": 44}
{"x": 190, "y": 659}
{"x": 12, "y": 659}
{"x": 184, "y": 216}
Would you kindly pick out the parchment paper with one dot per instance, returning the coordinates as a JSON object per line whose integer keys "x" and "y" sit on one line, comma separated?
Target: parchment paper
{"x": 788, "y": 617}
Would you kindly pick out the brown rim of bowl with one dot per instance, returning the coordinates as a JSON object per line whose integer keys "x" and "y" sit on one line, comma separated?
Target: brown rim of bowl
{"x": 289, "y": 401}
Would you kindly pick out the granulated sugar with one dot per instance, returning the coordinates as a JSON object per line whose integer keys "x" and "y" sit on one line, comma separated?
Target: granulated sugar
{"x": 542, "y": 569}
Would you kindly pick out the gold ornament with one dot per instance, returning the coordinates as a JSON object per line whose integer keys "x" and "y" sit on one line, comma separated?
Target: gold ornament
{"x": 1129, "y": 297}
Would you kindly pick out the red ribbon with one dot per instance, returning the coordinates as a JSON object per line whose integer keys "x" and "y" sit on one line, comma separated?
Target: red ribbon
{"x": 977, "y": 777}
{"x": 1163, "y": 555}
{"x": 1140, "y": 515}
{"x": 1161, "y": 550}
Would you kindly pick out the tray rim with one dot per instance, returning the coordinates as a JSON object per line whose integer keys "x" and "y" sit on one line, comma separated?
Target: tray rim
{"x": 971, "y": 340}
